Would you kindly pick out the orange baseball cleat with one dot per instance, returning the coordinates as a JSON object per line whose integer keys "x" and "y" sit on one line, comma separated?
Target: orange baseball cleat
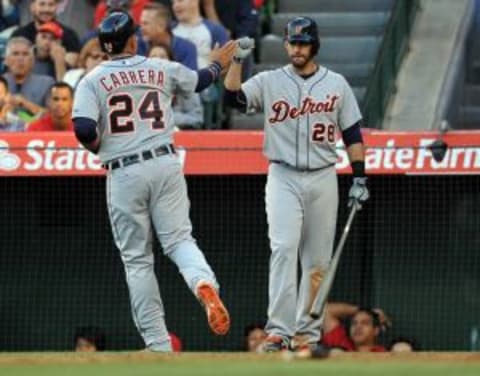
{"x": 218, "y": 317}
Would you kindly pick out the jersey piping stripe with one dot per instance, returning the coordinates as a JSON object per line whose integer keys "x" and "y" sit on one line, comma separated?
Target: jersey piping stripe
{"x": 308, "y": 115}
{"x": 297, "y": 134}
{"x": 110, "y": 63}
{"x": 117, "y": 241}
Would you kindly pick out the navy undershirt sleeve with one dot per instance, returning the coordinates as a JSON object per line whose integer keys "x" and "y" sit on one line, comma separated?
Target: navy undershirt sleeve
{"x": 85, "y": 130}
{"x": 207, "y": 76}
{"x": 352, "y": 135}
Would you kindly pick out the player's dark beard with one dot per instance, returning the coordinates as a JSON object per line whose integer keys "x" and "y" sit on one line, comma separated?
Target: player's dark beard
{"x": 302, "y": 63}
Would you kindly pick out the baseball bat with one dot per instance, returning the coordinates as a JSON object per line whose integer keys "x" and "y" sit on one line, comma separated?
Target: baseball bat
{"x": 322, "y": 295}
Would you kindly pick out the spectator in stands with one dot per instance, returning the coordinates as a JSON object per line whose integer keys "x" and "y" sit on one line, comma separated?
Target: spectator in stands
{"x": 10, "y": 14}
{"x": 90, "y": 56}
{"x": 403, "y": 345}
{"x": 76, "y": 14}
{"x": 134, "y": 7}
{"x": 155, "y": 23}
{"x": 124, "y": 6}
{"x": 364, "y": 329}
{"x": 59, "y": 114}
{"x": 89, "y": 339}
{"x": 9, "y": 122}
{"x": 187, "y": 110}
{"x": 254, "y": 335}
{"x": 45, "y": 11}
{"x": 49, "y": 53}
{"x": 28, "y": 90}
{"x": 239, "y": 18}
{"x": 258, "y": 3}
{"x": 176, "y": 342}
{"x": 203, "y": 33}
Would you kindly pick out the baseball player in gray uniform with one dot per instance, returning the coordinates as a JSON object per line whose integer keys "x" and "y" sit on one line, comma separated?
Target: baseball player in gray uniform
{"x": 123, "y": 112}
{"x": 305, "y": 106}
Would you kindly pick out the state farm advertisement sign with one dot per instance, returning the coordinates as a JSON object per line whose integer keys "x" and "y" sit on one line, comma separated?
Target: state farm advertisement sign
{"x": 240, "y": 152}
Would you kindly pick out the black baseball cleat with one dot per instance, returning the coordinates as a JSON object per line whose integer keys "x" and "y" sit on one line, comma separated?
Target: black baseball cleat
{"x": 274, "y": 344}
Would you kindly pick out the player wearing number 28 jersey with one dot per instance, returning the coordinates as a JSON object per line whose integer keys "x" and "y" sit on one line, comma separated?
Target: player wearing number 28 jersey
{"x": 123, "y": 112}
{"x": 305, "y": 104}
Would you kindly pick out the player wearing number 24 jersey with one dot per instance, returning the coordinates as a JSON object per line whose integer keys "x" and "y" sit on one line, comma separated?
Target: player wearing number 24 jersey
{"x": 305, "y": 105}
{"x": 123, "y": 112}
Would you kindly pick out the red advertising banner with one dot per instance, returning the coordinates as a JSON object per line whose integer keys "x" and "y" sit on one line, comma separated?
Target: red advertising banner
{"x": 240, "y": 152}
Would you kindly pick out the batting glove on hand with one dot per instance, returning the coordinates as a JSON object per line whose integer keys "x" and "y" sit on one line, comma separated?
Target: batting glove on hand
{"x": 358, "y": 192}
{"x": 245, "y": 46}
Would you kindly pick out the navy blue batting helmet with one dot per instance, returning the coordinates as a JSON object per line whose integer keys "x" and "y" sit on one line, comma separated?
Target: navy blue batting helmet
{"x": 303, "y": 30}
{"x": 114, "y": 32}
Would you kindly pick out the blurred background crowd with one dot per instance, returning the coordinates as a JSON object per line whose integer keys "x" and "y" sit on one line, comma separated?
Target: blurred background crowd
{"x": 47, "y": 46}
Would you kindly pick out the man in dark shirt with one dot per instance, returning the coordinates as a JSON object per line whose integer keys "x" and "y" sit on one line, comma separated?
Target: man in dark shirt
{"x": 49, "y": 53}
{"x": 239, "y": 17}
{"x": 45, "y": 11}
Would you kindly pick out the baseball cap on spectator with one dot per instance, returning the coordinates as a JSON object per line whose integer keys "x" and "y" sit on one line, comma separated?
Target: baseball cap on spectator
{"x": 52, "y": 27}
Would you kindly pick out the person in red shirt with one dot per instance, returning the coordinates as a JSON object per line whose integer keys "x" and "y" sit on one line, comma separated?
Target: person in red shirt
{"x": 59, "y": 114}
{"x": 134, "y": 7}
{"x": 364, "y": 330}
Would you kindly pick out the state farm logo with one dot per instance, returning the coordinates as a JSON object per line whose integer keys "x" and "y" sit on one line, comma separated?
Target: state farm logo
{"x": 8, "y": 161}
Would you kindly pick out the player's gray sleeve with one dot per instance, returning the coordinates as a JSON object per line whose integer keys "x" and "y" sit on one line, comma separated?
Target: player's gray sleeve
{"x": 184, "y": 79}
{"x": 85, "y": 102}
{"x": 253, "y": 90}
{"x": 349, "y": 113}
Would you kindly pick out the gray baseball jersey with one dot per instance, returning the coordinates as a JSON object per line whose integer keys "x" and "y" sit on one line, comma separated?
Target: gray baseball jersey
{"x": 131, "y": 99}
{"x": 302, "y": 117}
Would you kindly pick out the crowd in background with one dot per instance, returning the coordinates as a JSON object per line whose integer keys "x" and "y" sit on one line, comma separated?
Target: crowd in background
{"x": 47, "y": 46}
{"x": 346, "y": 327}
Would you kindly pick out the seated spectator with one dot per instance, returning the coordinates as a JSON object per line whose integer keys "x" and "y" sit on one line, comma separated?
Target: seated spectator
{"x": 9, "y": 122}
{"x": 203, "y": 33}
{"x": 155, "y": 24}
{"x": 124, "y": 6}
{"x": 363, "y": 332}
{"x": 239, "y": 18}
{"x": 74, "y": 13}
{"x": 187, "y": 110}
{"x": 403, "y": 345}
{"x": 45, "y": 11}
{"x": 49, "y": 53}
{"x": 134, "y": 7}
{"x": 59, "y": 114}
{"x": 254, "y": 335}
{"x": 89, "y": 339}
{"x": 90, "y": 56}
{"x": 28, "y": 90}
{"x": 176, "y": 342}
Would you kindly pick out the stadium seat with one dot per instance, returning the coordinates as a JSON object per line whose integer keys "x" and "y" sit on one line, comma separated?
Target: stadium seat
{"x": 246, "y": 121}
{"x": 310, "y": 6}
{"x": 337, "y": 24}
{"x": 333, "y": 49}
